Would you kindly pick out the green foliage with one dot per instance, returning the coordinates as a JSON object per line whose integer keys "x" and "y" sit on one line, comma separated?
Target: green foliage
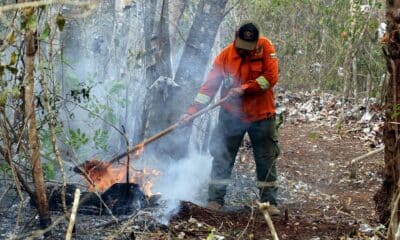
{"x": 100, "y": 139}
{"x": 396, "y": 111}
{"x": 49, "y": 170}
{"x": 5, "y": 169}
{"x": 46, "y": 144}
{"x": 46, "y": 31}
{"x": 77, "y": 139}
{"x": 32, "y": 22}
{"x": 11, "y": 38}
{"x": 211, "y": 235}
{"x": 13, "y": 58}
{"x": 60, "y": 21}
{"x": 305, "y": 32}
{"x": 3, "y": 98}
{"x": 313, "y": 135}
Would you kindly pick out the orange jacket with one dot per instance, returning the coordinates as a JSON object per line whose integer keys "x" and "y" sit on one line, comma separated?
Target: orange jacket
{"x": 256, "y": 74}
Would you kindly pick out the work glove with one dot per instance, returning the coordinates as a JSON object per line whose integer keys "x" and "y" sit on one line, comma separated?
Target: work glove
{"x": 235, "y": 92}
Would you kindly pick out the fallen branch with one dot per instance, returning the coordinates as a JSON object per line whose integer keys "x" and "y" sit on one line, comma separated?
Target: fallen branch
{"x": 264, "y": 210}
{"x": 376, "y": 151}
{"x": 354, "y": 161}
{"x": 73, "y": 214}
{"x": 42, "y": 3}
{"x": 248, "y": 223}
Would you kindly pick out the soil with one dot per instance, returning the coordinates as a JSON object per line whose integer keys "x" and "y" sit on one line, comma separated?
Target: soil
{"x": 321, "y": 196}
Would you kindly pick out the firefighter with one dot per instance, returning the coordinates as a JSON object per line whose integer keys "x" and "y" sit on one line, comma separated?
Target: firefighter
{"x": 246, "y": 71}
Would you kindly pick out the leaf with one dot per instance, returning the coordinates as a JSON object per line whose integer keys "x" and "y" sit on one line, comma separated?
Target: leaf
{"x": 50, "y": 171}
{"x": 60, "y": 20}
{"x": 15, "y": 92}
{"x": 32, "y": 22}
{"x": 46, "y": 31}
{"x": 13, "y": 58}
{"x": 11, "y": 38}
{"x": 1, "y": 70}
{"x": 3, "y": 98}
{"x": 211, "y": 236}
{"x": 13, "y": 70}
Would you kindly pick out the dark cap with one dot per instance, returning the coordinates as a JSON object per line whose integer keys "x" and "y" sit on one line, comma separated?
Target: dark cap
{"x": 247, "y": 35}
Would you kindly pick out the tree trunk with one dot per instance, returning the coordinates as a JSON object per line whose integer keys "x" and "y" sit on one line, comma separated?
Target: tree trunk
{"x": 150, "y": 58}
{"x": 158, "y": 63}
{"x": 350, "y": 55}
{"x": 176, "y": 9}
{"x": 189, "y": 75}
{"x": 164, "y": 44}
{"x": 33, "y": 140}
{"x": 390, "y": 187}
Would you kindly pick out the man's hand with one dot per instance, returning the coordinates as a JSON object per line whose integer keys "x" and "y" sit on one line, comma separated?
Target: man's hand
{"x": 184, "y": 119}
{"x": 235, "y": 92}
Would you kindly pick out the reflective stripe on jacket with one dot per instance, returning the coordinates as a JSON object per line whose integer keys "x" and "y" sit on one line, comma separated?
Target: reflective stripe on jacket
{"x": 256, "y": 74}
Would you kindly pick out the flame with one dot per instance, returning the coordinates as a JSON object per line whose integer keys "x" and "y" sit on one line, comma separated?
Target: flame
{"x": 103, "y": 175}
{"x": 145, "y": 179}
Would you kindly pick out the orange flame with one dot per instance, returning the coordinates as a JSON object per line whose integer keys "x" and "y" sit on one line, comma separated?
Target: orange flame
{"x": 103, "y": 175}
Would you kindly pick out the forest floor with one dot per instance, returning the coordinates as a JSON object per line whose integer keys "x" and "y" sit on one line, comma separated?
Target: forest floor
{"x": 320, "y": 196}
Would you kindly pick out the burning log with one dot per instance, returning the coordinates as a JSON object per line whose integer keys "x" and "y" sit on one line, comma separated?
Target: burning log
{"x": 120, "y": 198}
{"x": 107, "y": 190}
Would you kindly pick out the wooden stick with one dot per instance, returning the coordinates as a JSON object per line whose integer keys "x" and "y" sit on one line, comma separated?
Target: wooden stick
{"x": 166, "y": 131}
{"x": 369, "y": 154}
{"x": 354, "y": 161}
{"x": 264, "y": 210}
{"x": 73, "y": 214}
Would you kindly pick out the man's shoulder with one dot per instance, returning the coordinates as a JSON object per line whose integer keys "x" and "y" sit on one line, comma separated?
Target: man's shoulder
{"x": 227, "y": 49}
{"x": 225, "y": 52}
{"x": 265, "y": 41}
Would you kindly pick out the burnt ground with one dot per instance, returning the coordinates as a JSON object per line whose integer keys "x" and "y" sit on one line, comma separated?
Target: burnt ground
{"x": 319, "y": 197}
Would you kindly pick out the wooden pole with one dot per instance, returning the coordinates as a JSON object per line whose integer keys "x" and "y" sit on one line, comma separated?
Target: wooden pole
{"x": 166, "y": 131}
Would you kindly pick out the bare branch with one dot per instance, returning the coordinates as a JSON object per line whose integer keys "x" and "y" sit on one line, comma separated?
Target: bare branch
{"x": 46, "y": 2}
{"x": 264, "y": 210}
{"x": 73, "y": 214}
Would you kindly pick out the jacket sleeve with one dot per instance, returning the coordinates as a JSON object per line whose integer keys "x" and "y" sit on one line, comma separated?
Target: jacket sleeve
{"x": 269, "y": 75}
{"x": 210, "y": 86}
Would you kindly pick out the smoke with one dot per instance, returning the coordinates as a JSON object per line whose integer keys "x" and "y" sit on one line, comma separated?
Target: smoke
{"x": 111, "y": 54}
{"x": 183, "y": 180}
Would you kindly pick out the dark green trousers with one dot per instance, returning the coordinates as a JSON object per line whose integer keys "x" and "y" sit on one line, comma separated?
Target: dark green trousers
{"x": 224, "y": 145}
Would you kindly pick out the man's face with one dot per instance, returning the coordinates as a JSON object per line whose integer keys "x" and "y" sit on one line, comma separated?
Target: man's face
{"x": 243, "y": 52}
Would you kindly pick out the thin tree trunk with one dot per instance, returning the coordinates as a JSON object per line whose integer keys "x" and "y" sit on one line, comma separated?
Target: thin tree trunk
{"x": 176, "y": 9}
{"x": 149, "y": 16}
{"x": 385, "y": 196}
{"x": 368, "y": 91}
{"x": 354, "y": 77}
{"x": 190, "y": 73}
{"x": 348, "y": 62}
{"x": 164, "y": 45}
{"x": 33, "y": 140}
